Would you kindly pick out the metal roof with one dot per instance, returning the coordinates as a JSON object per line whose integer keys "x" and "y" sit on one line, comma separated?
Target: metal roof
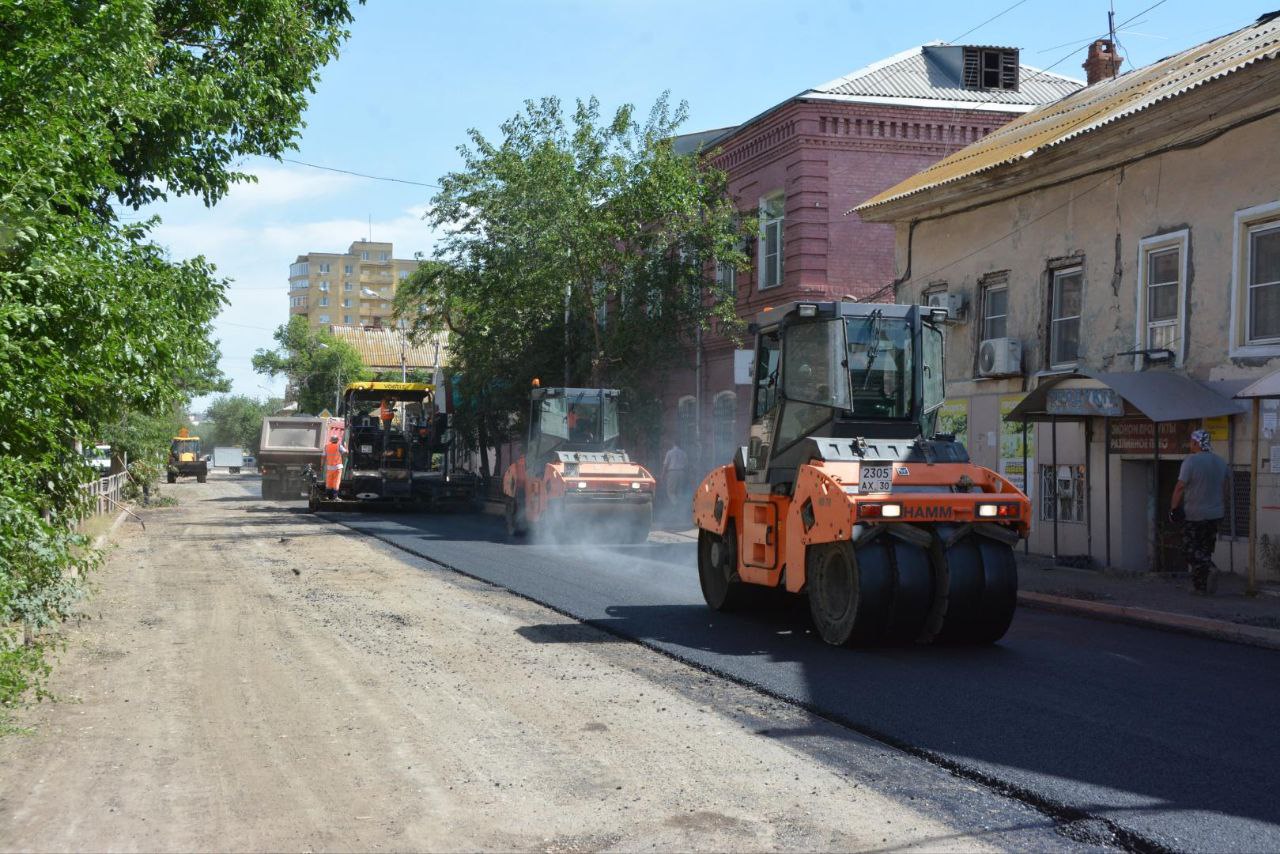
{"x": 923, "y": 72}
{"x": 1097, "y": 105}
{"x": 1268, "y": 386}
{"x": 381, "y": 347}
{"x": 1159, "y": 395}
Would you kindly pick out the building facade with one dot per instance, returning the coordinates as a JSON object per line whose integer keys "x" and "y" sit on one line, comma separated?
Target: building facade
{"x": 799, "y": 167}
{"x": 1116, "y": 260}
{"x": 355, "y": 288}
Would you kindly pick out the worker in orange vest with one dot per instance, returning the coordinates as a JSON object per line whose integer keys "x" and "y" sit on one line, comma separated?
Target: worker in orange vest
{"x": 333, "y": 466}
{"x": 387, "y": 413}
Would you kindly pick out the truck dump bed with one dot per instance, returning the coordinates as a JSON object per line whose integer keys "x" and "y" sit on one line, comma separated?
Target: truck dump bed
{"x": 291, "y": 439}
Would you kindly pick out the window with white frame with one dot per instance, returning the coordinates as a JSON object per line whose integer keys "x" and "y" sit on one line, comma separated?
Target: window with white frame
{"x": 1263, "y": 298}
{"x": 300, "y": 285}
{"x": 1161, "y": 293}
{"x": 324, "y": 302}
{"x": 324, "y": 286}
{"x": 298, "y": 302}
{"x": 1065, "y": 300}
{"x": 324, "y": 268}
{"x": 346, "y": 303}
{"x": 726, "y": 276}
{"x": 364, "y": 256}
{"x": 995, "y": 309}
{"x": 1065, "y": 487}
{"x": 346, "y": 286}
{"x": 1255, "y": 273}
{"x": 771, "y": 253}
{"x": 384, "y": 256}
{"x": 324, "y": 318}
{"x": 346, "y": 269}
{"x": 346, "y": 319}
{"x": 404, "y": 274}
{"x": 299, "y": 269}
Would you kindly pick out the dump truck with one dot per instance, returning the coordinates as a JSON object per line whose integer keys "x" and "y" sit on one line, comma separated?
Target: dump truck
{"x": 398, "y": 453}
{"x": 290, "y": 453}
{"x": 845, "y": 492}
{"x": 185, "y": 459}
{"x": 574, "y": 480}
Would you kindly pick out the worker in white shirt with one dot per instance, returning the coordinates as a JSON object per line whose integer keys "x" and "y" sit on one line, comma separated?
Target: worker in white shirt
{"x": 675, "y": 473}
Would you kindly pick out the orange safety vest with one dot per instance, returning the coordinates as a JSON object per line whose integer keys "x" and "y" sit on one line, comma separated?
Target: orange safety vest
{"x": 332, "y": 465}
{"x": 387, "y": 412}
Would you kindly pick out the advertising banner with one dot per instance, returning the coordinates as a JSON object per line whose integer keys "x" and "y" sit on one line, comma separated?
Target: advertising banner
{"x": 1011, "y": 451}
{"x": 953, "y": 418}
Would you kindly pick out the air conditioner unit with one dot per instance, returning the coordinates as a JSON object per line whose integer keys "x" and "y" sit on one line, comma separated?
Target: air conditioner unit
{"x": 999, "y": 357}
{"x": 953, "y": 303}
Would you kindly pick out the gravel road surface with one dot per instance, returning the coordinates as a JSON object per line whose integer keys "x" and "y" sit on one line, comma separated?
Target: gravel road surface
{"x": 250, "y": 677}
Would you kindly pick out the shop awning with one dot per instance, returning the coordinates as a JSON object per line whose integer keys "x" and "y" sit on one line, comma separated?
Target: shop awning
{"x": 1268, "y": 386}
{"x": 1159, "y": 395}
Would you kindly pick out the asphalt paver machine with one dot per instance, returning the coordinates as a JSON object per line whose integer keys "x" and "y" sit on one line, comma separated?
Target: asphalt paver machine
{"x": 845, "y": 493}
{"x": 398, "y": 453}
{"x": 574, "y": 482}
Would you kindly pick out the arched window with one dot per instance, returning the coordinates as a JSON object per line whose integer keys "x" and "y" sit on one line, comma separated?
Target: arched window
{"x": 687, "y": 424}
{"x": 724, "y": 418}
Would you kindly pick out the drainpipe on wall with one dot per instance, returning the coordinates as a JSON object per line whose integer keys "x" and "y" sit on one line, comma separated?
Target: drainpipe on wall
{"x": 1251, "y": 584}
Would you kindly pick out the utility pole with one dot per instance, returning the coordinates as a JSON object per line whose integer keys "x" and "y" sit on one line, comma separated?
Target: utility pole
{"x": 568, "y": 289}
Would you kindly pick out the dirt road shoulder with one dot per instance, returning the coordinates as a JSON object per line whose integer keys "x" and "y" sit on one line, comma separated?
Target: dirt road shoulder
{"x": 253, "y": 678}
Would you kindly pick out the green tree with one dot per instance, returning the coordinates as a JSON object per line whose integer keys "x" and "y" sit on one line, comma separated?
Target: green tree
{"x": 317, "y": 364}
{"x": 580, "y": 249}
{"x": 108, "y": 103}
{"x": 237, "y": 421}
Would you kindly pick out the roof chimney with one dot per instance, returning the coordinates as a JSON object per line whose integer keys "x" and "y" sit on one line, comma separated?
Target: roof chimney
{"x": 1103, "y": 62}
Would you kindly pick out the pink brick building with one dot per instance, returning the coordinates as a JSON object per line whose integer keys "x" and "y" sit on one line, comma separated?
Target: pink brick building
{"x": 800, "y": 165}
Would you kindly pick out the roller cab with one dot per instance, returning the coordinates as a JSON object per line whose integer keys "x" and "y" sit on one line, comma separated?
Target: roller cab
{"x": 844, "y": 493}
{"x": 574, "y": 482}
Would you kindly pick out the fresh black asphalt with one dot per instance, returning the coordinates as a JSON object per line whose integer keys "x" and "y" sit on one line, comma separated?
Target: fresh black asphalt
{"x": 1170, "y": 740}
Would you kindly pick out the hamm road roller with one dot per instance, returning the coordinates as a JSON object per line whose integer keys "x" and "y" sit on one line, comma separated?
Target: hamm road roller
{"x": 845, "y": 493}
{"x": 573, "y": 478}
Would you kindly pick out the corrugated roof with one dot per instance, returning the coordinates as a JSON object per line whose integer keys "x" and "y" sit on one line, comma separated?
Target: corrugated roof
{"x": 930, "y": 72}
{"x": 381, "y": 347}
{"x": 1095, "y": 106}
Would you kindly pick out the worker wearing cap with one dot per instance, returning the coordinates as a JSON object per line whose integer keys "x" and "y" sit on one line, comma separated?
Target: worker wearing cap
{"x": 1199, "y": 502}
{"x": 333, "y": 465}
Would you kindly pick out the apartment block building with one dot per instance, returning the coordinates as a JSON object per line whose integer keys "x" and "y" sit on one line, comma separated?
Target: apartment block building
{"x": 800, "y": 165}
{"x": 352, "y": 288}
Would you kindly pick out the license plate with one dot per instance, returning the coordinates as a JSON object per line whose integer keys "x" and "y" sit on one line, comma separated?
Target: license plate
{"x": 873, "y": 479}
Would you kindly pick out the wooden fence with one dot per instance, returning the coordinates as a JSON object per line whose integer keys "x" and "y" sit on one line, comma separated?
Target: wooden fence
{"x": 105, "y": 492}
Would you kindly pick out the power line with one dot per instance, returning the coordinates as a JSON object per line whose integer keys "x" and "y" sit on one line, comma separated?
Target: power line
{"x": 987, "y": 21}
{"x": 361, "y": 174}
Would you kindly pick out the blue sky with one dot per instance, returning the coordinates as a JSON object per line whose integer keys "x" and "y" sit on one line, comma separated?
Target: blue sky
{"x": 417, "y": 74}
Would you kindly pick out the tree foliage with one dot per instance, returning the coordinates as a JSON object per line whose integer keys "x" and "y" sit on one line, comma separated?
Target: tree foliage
{"x": 597, "y": 215}
{"x": 236, "y": 420}
{"x": 317, "y": 364}
{"x": 102, "y": 104}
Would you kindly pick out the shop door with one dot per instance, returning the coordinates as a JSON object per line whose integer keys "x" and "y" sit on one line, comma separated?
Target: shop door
{"x": 1168, "y": 535}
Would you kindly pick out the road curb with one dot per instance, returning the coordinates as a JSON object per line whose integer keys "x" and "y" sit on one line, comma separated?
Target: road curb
{"x": 1165, "y": 620}
{"x": 102, "y": 538}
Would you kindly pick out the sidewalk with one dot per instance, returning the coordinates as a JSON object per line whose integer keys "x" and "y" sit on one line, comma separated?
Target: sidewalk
{"x": 1161, "y": 602}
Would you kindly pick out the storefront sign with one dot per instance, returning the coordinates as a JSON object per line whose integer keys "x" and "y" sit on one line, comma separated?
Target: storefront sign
{"x": 1137, "y": 436}
{"x": 1084, "y": 401}
{"x": 953, "y": 418}
{"x": 1217, "y": 427}
{"x": 1011, "y": 450}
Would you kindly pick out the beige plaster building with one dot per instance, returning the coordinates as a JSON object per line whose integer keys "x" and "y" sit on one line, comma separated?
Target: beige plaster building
{"x": 1115, "y": 259}
{"x": 354, "y": 288}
